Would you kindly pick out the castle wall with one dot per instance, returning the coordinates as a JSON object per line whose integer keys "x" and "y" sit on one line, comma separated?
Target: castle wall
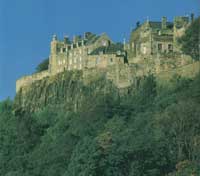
{"x": 185, "y": 71}
{"x": 73, "y": 61}
{"x": 27, "y": 80}
{"x": 158, "y": 63}
{"x": 103, "y": 60}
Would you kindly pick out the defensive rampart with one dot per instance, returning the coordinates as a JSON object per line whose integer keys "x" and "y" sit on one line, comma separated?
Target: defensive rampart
{"x": 27, "y": 80}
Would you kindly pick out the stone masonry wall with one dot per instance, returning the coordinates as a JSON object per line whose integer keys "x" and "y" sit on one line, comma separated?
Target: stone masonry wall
{"x": 27, "y": 80}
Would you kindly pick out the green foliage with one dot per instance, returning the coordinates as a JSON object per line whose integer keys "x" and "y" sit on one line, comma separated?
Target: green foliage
{"x": 43, "y": 66}
{"x": 190, "y": 40}
{"x": 149, "y": 131}
{"x": 186, "y": 168}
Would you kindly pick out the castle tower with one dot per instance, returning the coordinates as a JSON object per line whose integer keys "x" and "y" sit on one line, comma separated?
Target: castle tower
{"x": 180, "y": 25}
{"x": 54, "y": 45}
{"x": 52, "y": 60}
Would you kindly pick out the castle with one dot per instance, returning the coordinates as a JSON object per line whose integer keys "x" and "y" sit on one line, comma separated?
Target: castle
{"x": 152, "y": 47}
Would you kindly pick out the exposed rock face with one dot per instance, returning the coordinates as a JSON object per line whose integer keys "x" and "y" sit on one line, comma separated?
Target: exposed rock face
{"x": 70, "y": 89}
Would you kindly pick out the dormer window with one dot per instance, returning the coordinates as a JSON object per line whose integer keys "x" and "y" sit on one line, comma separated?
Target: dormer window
{"x": 89, "y": 51}
{"x": 160, "y": 47}
{"x": 119, "y": 52}
{"x": 104, "y": 43}
{"x": 101, "y": 52}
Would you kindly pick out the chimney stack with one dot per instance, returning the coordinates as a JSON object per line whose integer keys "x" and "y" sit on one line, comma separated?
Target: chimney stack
{"x": 164, "y": 22}
{"x": 66, "y": 39}
{"x": 54, "y": 37}
{"x": 87, "y": 35}
{"x": 192, "y": 17}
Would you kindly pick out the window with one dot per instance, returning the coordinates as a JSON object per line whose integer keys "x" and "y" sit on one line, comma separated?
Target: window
{"x": 133, "y": 45}
{"x": 104, "y": 43}
{"x": 88, "y": 51}
{"x": 58, "y": 50}
{"x": 159, "y": 47}
{"x": 144, "y": 50}
{"x": 170, "y": 48}
{"x": 111, "y": 60}
{"x": 70, "y": 61}
{"x": 64, "y": 50}
{"x": 97, "y": 60}
{"x": 119, "y": 53}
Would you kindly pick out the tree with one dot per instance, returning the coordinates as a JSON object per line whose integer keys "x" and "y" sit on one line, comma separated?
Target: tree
{"x": 180, "y": 122}
{"x": 43, "y": 65}
{"x": 190, "y": 41}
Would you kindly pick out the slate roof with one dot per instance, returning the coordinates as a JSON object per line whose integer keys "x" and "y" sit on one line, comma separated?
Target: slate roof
{"x": 111, "y": 49}
{"x": 158, "y": 25}
{"x": 92, "y": 39}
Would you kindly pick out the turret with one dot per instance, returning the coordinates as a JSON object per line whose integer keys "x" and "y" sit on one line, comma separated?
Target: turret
{"x": 54, "y": 45}
{"x": 180, "y": 25}
{"x": 192, "y": 17}
{"x": 180, "y": 22}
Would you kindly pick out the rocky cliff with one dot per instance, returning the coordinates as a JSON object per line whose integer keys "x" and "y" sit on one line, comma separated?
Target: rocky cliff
{"x": 73, "y": 89}
{"x": 69, "y": 89}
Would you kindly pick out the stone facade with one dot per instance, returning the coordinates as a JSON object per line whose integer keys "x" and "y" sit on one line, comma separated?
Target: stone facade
{"x": 152, "y": 38}
{"x": 27, "y": 80}
{"x": 152, "y": 47}
{"x": 73, "y": 55}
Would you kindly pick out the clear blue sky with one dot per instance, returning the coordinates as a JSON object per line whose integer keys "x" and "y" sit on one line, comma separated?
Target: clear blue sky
{"x": 27, "y": 26}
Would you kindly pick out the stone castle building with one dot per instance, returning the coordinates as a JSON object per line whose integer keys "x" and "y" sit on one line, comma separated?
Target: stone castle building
{"x": 87, "y": 52}
{"x": 152, "y": 38}
{"x": 152, "y": 47}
